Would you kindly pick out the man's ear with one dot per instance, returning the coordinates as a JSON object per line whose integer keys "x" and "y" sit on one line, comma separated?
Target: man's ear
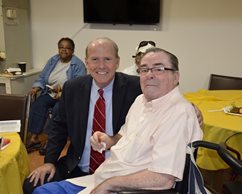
{"x": 177, "y": 77}
{"x": 117, "y": 65}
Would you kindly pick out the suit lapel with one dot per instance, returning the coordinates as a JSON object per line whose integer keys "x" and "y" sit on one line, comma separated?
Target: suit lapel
{"x": 84, "y": 97}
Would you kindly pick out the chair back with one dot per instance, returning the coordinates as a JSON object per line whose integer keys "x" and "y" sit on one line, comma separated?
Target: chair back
{"x": 222, "y": 82}
{"x": 233, "y": 144}
{"x": 224, "y": 152}
{"x": 15, "y": 107}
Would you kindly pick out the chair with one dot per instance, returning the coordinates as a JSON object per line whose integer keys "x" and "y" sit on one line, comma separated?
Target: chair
{"x": 15, "y": 107}
{"x": 232, "y": 143}
{"x": 222, "y": 82}
{"x": 233, "y": 162}
{"x": 47, "y": 124}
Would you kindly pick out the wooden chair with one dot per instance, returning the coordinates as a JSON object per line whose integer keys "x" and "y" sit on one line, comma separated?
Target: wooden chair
{"x": 222, "y": 82}
{"x": 15, "y": 107}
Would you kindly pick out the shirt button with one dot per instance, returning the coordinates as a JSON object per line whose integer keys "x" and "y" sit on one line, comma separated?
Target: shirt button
{"x": 79, "y": 158}
{"x": 68, "y": 172}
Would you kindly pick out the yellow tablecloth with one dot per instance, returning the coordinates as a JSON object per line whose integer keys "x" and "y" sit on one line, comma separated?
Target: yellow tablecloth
{"x": 13, "y": 165}
{"x": 218, "y": 126}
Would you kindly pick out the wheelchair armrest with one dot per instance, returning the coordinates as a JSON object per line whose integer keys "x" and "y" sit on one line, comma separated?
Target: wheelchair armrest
{"x": 233, "y": 162}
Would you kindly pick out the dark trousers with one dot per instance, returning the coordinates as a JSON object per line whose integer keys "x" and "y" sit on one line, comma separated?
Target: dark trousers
{"x": 39, "y": 113}
{"x": 61, "y": 174}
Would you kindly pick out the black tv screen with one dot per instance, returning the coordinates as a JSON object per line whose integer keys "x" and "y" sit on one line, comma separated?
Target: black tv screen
{"x": 122, "y": 11}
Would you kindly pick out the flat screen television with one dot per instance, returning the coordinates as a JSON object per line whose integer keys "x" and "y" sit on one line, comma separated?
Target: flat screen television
{"x": 122, "y": 11}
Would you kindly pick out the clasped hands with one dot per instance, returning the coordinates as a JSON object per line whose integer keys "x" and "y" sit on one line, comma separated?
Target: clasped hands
{"x": 56, "y": 89}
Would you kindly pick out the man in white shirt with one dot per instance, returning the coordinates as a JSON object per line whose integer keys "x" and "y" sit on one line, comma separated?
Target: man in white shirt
{"x": 150, "y": 149}
{"x": 140, "y": 50}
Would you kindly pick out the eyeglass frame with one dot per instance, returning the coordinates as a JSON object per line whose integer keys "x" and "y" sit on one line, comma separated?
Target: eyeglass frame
{"x": 63, "y": 48}
{"x": 159, "y": 68}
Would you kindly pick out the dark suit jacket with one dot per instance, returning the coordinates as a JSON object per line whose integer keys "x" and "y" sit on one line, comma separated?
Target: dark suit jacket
{"x": 73, "y": 115}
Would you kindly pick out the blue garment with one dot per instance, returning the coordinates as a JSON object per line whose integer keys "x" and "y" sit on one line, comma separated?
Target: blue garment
{"x": 62, "y": 187}
{"x": 77, "y": 68}
{"x": 39, "y": 113}
{"x": 39, "y": 108}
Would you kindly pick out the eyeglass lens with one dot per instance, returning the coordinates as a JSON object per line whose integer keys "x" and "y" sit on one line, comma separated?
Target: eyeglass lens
{"x": 63, "y": 48}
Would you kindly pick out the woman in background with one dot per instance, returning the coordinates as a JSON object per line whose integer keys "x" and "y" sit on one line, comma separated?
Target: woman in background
{"x": 140, "y": 50}
{"x": 59, "y": 68}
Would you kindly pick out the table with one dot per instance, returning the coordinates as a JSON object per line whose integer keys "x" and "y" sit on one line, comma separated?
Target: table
{"x": 18, "y": 84}
{"x": 13, "y": 165}
{"x": 218, "y": 126}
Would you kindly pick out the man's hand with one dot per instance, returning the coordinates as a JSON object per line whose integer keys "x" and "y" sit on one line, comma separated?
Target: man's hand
{"x": 34, "y": 92}
{"x": 199, "y": 115}
{"x": 98, "y": 137}
{"x": 40, "y": 173}
{"x": 58, "y": 90}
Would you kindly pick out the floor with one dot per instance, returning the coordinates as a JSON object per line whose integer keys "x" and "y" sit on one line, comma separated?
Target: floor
{"x": 36, "y": 160}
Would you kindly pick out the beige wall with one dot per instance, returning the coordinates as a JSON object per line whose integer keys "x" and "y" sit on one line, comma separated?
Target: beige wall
{"x": 206, "y": 35}
{"x": 15, "y": 34}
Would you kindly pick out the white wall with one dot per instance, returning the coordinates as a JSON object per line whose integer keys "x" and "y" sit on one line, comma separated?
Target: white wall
{"x": 2, "y": 43}
{"x": 205, "y": 35}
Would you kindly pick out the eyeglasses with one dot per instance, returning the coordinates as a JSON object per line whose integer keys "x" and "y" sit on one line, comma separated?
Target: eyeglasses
{"x": 157, "y": 70}
{"x": 144, "y": 43}
{"x": 63, "y": 48}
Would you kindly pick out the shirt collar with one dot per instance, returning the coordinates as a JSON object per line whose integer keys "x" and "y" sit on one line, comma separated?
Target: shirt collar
{"x": 106, "y": 89}
{"x": 161, "y": 101}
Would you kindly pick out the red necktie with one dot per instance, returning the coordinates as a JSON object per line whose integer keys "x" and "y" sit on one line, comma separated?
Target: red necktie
{"x": 99, "y": 121}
